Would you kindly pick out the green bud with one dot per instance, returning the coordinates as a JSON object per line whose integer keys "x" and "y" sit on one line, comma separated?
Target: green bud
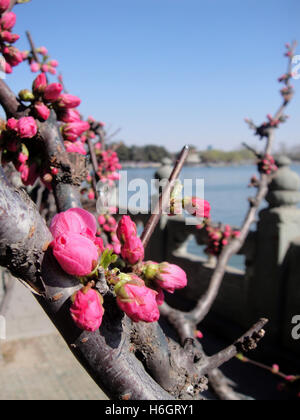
{"x": 26, "y": 95}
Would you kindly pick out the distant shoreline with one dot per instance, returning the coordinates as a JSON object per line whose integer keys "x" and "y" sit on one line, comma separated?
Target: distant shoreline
{"x": 155, "y": 165}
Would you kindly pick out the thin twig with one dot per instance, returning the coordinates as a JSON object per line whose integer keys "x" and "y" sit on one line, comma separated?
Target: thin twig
{"x": 164, "y": 199}
{"x": 95, "y": 177}
{"x": 32, "y": 46}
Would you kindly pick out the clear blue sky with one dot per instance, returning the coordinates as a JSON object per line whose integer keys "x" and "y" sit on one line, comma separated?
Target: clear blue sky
{"x": 170, "y": 72}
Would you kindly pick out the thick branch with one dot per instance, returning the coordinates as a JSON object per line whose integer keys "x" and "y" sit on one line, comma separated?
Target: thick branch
{"x": 106, "y": 353}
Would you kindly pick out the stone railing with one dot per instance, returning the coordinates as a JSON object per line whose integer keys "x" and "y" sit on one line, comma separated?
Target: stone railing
{"x": 269, "y": 286}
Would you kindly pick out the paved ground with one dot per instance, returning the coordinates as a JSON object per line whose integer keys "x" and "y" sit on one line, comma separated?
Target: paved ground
{"x": 36, "y": 364}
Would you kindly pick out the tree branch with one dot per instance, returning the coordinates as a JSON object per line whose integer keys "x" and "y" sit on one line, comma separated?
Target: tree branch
{"x": 164, "y": 199}
{"x": 105, "y": 354}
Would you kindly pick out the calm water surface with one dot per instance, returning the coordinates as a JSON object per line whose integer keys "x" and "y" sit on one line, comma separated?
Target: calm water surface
{"x": 225, "y": 189}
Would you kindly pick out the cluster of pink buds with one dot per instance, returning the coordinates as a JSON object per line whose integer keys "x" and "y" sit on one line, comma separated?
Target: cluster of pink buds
{"x": 46, "y": 65}
{"x": 132, "y": 249}
{"x": 267, "y": 165}
{"x": 109, "y": 225}
{"x": 17, "y": 137}
{"x": 80, "y": 252}
{"x": 75, "y": 245}
{"x": 11, "y": 54}
{"x": 109, "y": 165}
{"x": 219, "y": 237}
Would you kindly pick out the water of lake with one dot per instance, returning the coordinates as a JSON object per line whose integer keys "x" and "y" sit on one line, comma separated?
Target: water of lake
{"x": 225, "y": 189}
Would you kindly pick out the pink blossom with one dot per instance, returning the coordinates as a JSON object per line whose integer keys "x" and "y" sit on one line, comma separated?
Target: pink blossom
{"x": 45, "y": 68}
{"x": 52, "y": 92}
{"x": 53, "y": 63}
{"x": 74, "y": 221}
{"x": 8, "y": 21}
{"x": 132, "y": 250}
{"x": 35, "y": 67}
{"x": 170, "y": 277}
{"x": 68, "y": 101}
{"x": 22, "y": 158}
{"x": 13, "y": 56}
{"x": 40, "y": 83}
{"x": 91, "y": 195}
{"x": 137, "y": 300}
{"x": 52, "y": 70}
{"x": 76, "y": 254}
{"x": 198, "y": 334}
{"x": 9, "y": 37}
{"x": 42, "y": 110}
{"x": 12, "y": 124}
{"x": 197, "y": 207}
{"x": 87, "y": 310}
{"x": 75, "y": 147}
{"x": 43, "y": 50}
{"x": 126, "y": 229}
{"x": 69, "y": 115}
{"x": 4, "y": 5}
{"x": 73, "y": 130}
{"x": 8, "y": 68}
{"x": 101, "y": 220}
{"x": 27, "y": 127}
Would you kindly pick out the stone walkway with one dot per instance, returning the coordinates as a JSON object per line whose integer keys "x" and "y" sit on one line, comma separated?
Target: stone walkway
{"x": 36, "y": 364}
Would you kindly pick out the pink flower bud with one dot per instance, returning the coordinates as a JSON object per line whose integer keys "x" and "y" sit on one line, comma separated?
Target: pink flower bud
{"x": 73, "y": 130}
{"x": 52, "y": 92}
{"x": 76, "y": 254}
{"x": 133, "y": 251}
{"x": 7, "y": 36}
{"x": 74, "y": 221}
{"x": 197, "y": 207}
{"x": 22, "y": 158}
{"x": 69, "y": 115}
{"x": 170, "y": 277}
{"x": 8, "y": 21}
{"x": 137, "y": 300}
{"x": 75, "y": 147}
{"x": 198, "y": 334}
{"x": 126, "y": 229}
{"x": 68, "y": 101}
{"x": 40, "y": 83}
{"x": 27, "y": 127}
{"x": 52, "y": 70}
{"x": 87, "y": 310}
{"x": 101, "y": 220}
{"x": 45, "y": 68}
{"x": 42, "y": 50}
{"x": 12, "y": 124}
{"x": 275, "y": 369}
{"x": 8, "y": 68}
{"x": 91, "y": 195}
{"x": 13, "y": 56}
{"x": 4, "y": 5}
{"x": 53, "y": 63}
{"x": 42, "y": 110}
